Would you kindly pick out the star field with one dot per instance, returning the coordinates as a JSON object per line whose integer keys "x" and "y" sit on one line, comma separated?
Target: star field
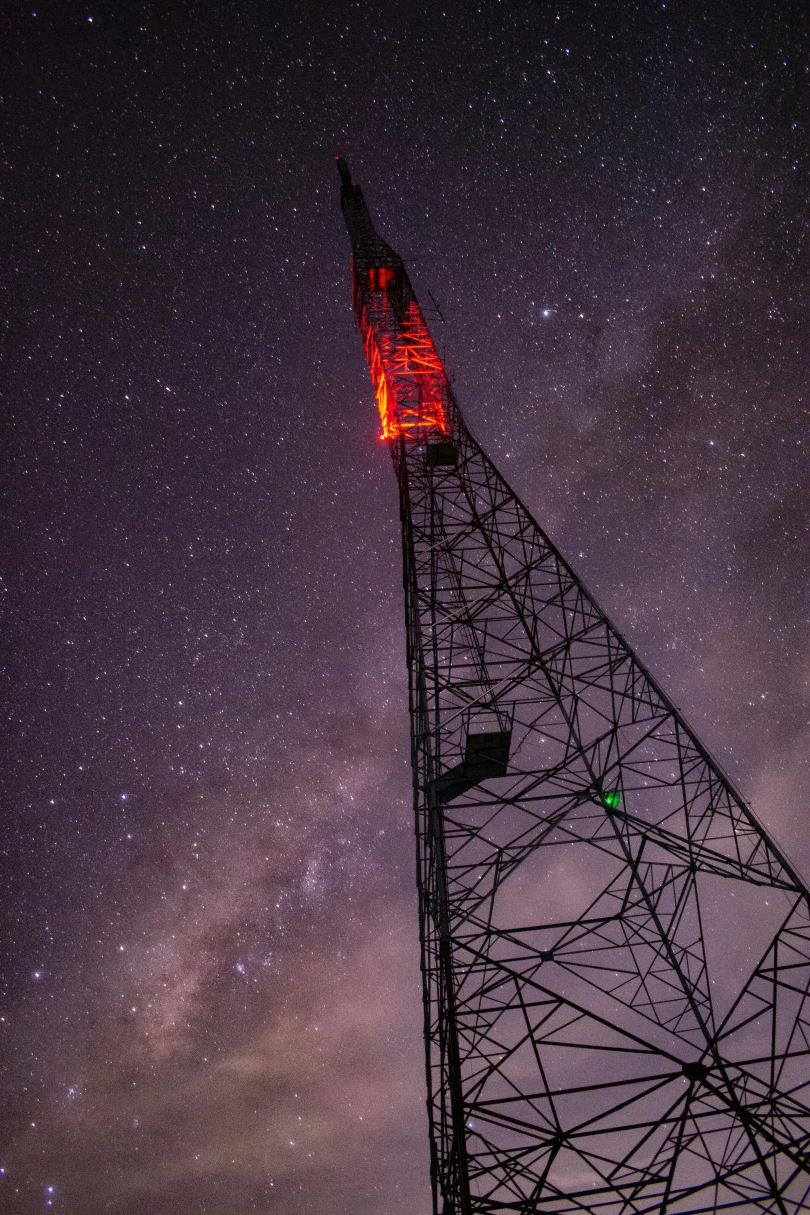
{"x": 212, "y": 974}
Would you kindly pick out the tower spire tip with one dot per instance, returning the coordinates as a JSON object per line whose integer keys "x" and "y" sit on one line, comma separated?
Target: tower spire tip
{"x": 343, "y": 170}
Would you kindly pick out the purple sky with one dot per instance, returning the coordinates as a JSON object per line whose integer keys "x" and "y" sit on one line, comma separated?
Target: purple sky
{"x": 214, "y": 996}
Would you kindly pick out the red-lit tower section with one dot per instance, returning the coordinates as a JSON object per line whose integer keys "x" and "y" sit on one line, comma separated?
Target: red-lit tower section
{"x": 615, "y": 955}
{"x": 413, "y": 394}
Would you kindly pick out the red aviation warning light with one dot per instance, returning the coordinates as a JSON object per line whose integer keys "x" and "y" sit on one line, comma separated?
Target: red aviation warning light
{"x": 410, "y": 384}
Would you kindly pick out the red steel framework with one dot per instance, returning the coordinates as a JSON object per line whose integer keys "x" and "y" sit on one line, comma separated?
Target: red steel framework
{"x": 615, "y": 954}
{"x": 407, "y": 373}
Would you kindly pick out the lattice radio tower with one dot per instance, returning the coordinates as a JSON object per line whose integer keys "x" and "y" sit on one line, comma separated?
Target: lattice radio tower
{"x": 615, "y": 955}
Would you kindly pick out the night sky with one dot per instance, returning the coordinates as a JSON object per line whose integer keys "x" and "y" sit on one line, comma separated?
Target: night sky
{"x": 213, "y": 994}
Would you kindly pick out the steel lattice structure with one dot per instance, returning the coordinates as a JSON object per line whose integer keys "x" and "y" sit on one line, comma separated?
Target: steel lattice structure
{"x": 616, "y": 956}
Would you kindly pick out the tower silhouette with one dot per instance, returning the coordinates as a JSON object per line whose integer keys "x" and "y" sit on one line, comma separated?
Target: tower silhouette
{"x": 615, "y": 955}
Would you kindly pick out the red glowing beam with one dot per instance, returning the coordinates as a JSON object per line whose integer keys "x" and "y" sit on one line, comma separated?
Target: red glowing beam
{"x": 409, "y": 380}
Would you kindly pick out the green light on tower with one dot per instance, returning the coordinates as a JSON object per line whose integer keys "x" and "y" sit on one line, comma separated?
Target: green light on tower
{"x": 612, "y": 798}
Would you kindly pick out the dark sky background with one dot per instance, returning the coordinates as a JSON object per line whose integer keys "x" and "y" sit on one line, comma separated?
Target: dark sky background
{"x": 213, "y": 990}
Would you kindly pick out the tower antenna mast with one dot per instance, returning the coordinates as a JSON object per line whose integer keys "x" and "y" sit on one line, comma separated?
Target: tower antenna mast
{"x": 615, "y": 954}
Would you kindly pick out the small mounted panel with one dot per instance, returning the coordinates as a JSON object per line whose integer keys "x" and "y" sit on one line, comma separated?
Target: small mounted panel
{"x": 486, "y": 755}
{"x": 441, "y": 454}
